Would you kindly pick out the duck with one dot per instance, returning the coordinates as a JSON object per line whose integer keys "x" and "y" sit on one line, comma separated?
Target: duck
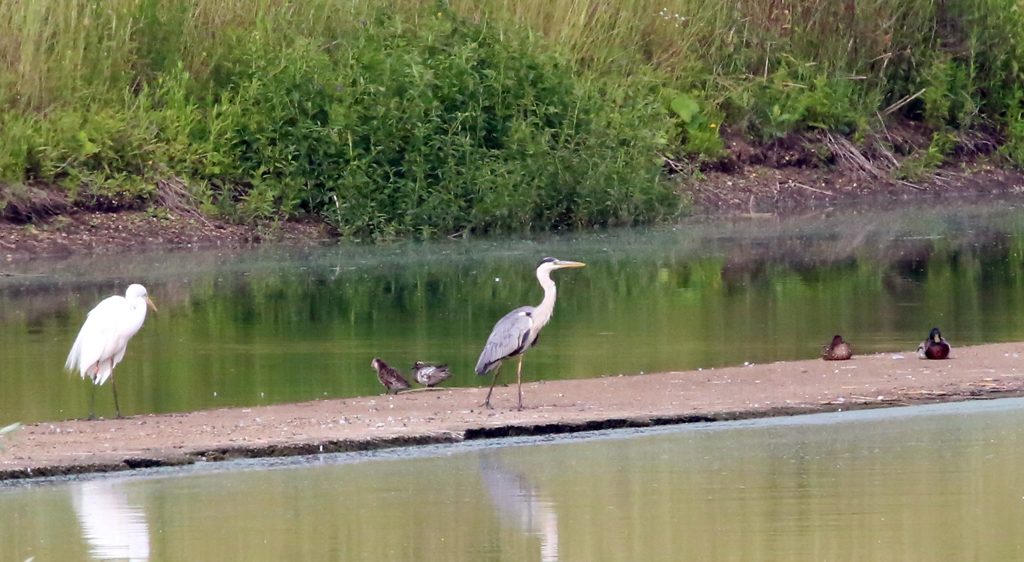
{"x": 838, "y": 350}
{"x": 935, "y": 347}
{"x": 429, "y": 374}
{"x": 388, "y": 376}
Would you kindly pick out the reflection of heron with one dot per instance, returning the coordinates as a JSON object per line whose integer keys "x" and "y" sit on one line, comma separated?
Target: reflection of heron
{"x": 517, "y": 331}
{"x": 103, "y": 339}
{"x": 935, "y": 347}
{"x": 114, "y": 529}
{"x": 429, "y": 374}
{"x": 838, "y": 350}
{"x": 519, "y": 503}
{"x": 388, "y": 376}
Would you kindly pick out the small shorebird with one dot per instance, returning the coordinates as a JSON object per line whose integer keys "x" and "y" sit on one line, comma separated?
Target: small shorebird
{"x": 429, "y": 374}
{"x": 838, "y": 350}
{"x": 935, "y": 347}
{"x": 388, "y": 376}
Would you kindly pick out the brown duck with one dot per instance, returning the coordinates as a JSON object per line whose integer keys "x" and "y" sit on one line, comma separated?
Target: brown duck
{"x": 838, "y": 350}
{"x": 388, "y": 376}
{"x": 935, "y": 347}
{"x": 429, "y": 374}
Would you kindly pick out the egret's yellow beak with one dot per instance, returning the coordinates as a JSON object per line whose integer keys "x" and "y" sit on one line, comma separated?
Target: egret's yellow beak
{"x": 150, "y": 303}
{"x": 563, "y": 264}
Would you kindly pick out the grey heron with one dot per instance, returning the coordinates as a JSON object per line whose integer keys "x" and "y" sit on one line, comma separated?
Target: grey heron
{"x": 517, "y": 331}
{"x": 838, "y": 350}
{"x": 429, "y": 374}
{"x": 935, "y": 347}
{"x": 388, "y": 376}
{"x": 104, "y": 336}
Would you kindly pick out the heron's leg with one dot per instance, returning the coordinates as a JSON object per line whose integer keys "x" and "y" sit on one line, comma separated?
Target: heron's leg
{"x": 519, "y": 381}
{"x": 487, "y": 401}
{"x": 92, "y": 402}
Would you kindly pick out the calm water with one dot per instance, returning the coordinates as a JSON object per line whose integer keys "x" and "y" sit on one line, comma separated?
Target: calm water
{"x": 925, "y": 483}
{"x": 275, "y": 325}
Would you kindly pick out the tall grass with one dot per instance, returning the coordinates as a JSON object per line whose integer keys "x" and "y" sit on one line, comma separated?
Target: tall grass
{"x": 768, "y": 67}
{"x": 424, "y": 117}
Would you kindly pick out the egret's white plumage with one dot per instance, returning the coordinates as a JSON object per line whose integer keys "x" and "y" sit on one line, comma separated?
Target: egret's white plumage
{"x": 104, "y": 336}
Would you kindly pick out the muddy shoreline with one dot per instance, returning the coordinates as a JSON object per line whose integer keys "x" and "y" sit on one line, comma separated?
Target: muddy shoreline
{"x": 552, "y": 407}
{"x": 786, "y": 188}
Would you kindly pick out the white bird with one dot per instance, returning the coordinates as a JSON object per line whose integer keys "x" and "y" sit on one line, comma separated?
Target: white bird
{"x": 113, "y": 525}
{"x": 104, "y": 336}
{"x": 518, "y": 330}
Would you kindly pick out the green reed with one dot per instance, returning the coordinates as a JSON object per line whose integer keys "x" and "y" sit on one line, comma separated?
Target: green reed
{"x": 425, "y": 118}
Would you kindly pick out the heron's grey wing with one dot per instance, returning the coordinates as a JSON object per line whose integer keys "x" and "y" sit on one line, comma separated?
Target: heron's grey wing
{"x": 509, "y": 337}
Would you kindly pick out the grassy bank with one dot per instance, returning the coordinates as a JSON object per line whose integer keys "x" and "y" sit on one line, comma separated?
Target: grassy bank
{"x": 414, "y": 117}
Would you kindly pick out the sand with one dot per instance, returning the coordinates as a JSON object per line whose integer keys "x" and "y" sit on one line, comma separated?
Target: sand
{"x": 455, "y": 414}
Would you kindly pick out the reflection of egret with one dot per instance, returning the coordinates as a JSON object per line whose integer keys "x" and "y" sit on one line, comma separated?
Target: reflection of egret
{"x": 519, "y": 503}
{"x": 114, "y": 529}
{"x": 517, "y": 331}
{"x": 104, "y": 336}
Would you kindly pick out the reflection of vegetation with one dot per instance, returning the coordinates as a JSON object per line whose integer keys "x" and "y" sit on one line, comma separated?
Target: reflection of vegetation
{"x": 272, "y": 326}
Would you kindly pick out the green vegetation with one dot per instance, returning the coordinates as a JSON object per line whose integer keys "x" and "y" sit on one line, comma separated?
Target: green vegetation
{"x": 414, "y": 117}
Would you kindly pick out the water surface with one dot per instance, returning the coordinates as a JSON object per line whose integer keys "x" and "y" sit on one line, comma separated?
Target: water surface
{"x": 922, "y": 483}
{"x": 272, "y": 324}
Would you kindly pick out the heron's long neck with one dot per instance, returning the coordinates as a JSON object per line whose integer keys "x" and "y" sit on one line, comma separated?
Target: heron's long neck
{"x": 547, "y": 306}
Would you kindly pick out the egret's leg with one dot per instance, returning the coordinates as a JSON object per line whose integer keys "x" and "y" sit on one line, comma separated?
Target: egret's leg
{"x": 113, "y": 384}
{"x": 519, "y": 381}
{"x": 487, "y": 401}
{"x": 92, "y": 402}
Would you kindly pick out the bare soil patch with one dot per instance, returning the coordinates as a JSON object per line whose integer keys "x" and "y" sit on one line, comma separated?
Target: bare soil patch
{"x": 93, "y": 232}
{"x": 454, "y": 414}
{"x": 814, "y": 171}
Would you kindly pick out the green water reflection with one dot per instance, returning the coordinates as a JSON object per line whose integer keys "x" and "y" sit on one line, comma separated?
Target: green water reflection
{"x": 925, "y": 483}
{"x": 276, "y": 324}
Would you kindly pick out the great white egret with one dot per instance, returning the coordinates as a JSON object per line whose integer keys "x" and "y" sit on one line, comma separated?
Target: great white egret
{"x": 104, "y": 336}
{"x": 838, "y": 350}
{"x": 429, "y": 374}
{"x": 935, "y": 347}
{"x": 388, "y": 376}
{"x": 517, "y": 331}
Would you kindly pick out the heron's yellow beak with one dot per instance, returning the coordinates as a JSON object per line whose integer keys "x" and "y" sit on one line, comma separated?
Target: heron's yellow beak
{"x": 150, "y": 304}
{"x": 563, "y": 264}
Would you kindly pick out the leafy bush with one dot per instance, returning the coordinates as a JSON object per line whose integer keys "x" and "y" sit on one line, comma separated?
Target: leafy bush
{"x": 797, "y": 97}
{"x": 442, "y": 127}
{"x": 393, "y": 128}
